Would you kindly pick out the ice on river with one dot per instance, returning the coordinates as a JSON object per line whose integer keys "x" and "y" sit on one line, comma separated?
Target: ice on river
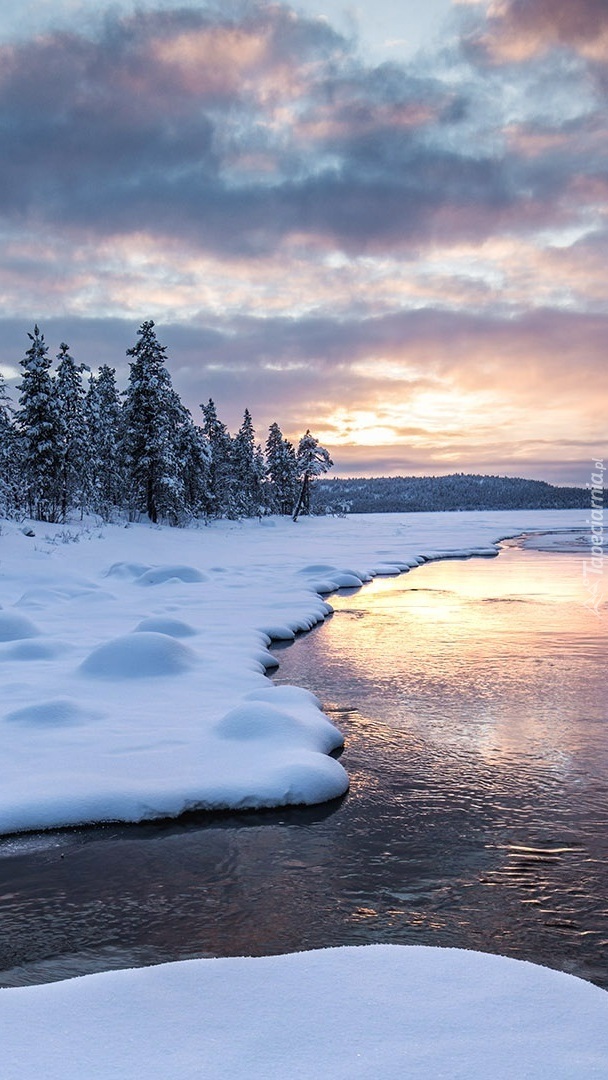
{"x": 133, "y": 660}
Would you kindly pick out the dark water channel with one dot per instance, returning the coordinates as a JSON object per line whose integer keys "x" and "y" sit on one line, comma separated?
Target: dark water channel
{"x": 473, "y": 699}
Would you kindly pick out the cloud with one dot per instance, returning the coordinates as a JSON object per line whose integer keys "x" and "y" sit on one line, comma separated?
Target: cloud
{"x": 398, "y": 252}
{"x": 520, "y": 30}
{"x": 238, "y": 135}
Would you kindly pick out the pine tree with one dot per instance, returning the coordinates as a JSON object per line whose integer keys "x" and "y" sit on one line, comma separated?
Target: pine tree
{"x": 313, "y": 460}
{"x": 39, "y": 427}
{"x": 221, "y": 480}
{"x": 75, "y": 451}
{"x": 153, "y": 418}
{"x": 195, "y": 459}
{"x": 248, "y": 470}
{"x": 282, "y": 471}
{"x": 9, "y": 460}
{"x": 104, "y": 419}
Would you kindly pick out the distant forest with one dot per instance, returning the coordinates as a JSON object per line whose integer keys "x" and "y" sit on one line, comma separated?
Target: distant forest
{"x": 459, "y": 491}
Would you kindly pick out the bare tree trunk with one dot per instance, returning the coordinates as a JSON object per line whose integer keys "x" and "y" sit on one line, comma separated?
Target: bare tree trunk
{"x": 301, "y": 497}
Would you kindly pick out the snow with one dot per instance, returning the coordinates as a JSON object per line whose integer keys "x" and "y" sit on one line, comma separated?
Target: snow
{"x": 352, "y": 1013}
{"x": 133, "y": 678}
{"x": 133, "y": 659}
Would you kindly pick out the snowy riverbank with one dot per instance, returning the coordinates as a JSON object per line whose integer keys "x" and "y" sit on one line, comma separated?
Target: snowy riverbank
{"x": 133, "y": 659}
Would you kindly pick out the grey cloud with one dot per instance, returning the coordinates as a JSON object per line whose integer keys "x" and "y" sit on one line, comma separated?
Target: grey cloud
{"x": 116, "y": 134}
{"x": 563, "y": 21}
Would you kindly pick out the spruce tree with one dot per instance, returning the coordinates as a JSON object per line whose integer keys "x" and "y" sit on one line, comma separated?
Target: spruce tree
{"x": 282, "y": 471}
{"x": 221, "y": 481}
{"x": 75, "y": 449}
{"x": 39, "y": 427}
{"x": 313, "y": 460}
{"x": 195, "y": 466}
{"x": 153, "y": 416}
{"x": 104, "y": 419}
{"x": 248, "y": 470}
{"x": 9, "y": 458}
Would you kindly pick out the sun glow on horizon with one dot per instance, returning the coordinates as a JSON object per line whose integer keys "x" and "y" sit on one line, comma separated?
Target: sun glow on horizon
{"x": 423, "y": 419}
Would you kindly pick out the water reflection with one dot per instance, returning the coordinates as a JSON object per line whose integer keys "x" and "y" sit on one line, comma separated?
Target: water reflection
{"x": 481, "y": 686}
{"x": 473, "y": 701}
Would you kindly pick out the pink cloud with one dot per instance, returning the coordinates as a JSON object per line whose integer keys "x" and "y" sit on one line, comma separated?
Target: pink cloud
{"x": 519, "y": 30}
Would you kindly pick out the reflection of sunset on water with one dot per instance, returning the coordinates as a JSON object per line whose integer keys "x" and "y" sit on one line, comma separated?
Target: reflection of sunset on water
{"x": 472, "y": 697}
{"x": 458, "y": 637}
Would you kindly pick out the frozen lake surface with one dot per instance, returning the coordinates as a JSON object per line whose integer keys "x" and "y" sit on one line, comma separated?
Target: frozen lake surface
{"x": 472, "y": 697}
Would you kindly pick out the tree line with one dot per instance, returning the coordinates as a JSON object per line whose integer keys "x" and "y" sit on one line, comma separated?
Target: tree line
{"x": 76, "y": 444}
{"x": 458, "y": 491}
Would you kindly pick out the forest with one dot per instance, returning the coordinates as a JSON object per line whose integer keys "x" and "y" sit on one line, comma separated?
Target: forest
{"x": 75, "y": 444}
{"x": 458, "y": 491}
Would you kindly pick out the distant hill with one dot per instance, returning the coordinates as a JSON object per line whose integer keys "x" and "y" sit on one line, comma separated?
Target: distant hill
{"x": 459, "y": 491}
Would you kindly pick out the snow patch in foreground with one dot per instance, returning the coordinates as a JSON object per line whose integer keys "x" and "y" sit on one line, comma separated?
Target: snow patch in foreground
{"x": 376, "y": 1012}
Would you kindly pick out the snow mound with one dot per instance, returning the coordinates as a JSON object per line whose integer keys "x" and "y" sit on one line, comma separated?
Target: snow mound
{"x": 279, "y": 633}
{"x": 34, "y": 650}
{"x": 137, "y": 656}
{"x": 346, "y": 580}
{"x": 268, "y": 706}
{"x": 307, "y": 777}
{"x": 127, "y": 570}
{"x": 361, "y": 574}
{"x": 14, "y": 627}
{"x": 160, "y": 625}
{"x": 160, "y": 574}
{"x": 323, "y": 587}
{"x": 40, "y": 598}
{"x": 266, "y": 659}
{"x": 318, "y": 568}
{"x": 287, "y": 695}
{"x": 48, "y": 714}
{"x": 262, "y": 721}
{"x": 330, "y": 578}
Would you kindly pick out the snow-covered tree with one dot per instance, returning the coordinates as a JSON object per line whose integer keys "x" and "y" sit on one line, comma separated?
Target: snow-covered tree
{"x": 248, "y": 470}
{"x": 195, "y": 458}
{"x": 104, "y": 417}
{"x": 9, "y": 456}
{"x": 153, "y": 417}
{"x": 221, "y": 481}
{"x": 313, "y": 460}
{"x": 39, "y": 427}
{"x": 282, "y": 471}
{"x": 75, "y": 450}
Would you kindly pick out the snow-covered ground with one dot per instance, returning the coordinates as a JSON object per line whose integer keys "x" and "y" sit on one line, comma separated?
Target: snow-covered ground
{"x": 379, "y": 1012}
{"x": 133, "y": 681}
{"x": 133, "y": 659}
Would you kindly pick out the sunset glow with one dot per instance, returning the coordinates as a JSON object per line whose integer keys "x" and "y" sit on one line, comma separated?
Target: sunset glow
{"x": 403, "y": 248}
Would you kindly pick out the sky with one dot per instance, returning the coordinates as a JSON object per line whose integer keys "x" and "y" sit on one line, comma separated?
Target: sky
{"x": 384, "y": 224}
